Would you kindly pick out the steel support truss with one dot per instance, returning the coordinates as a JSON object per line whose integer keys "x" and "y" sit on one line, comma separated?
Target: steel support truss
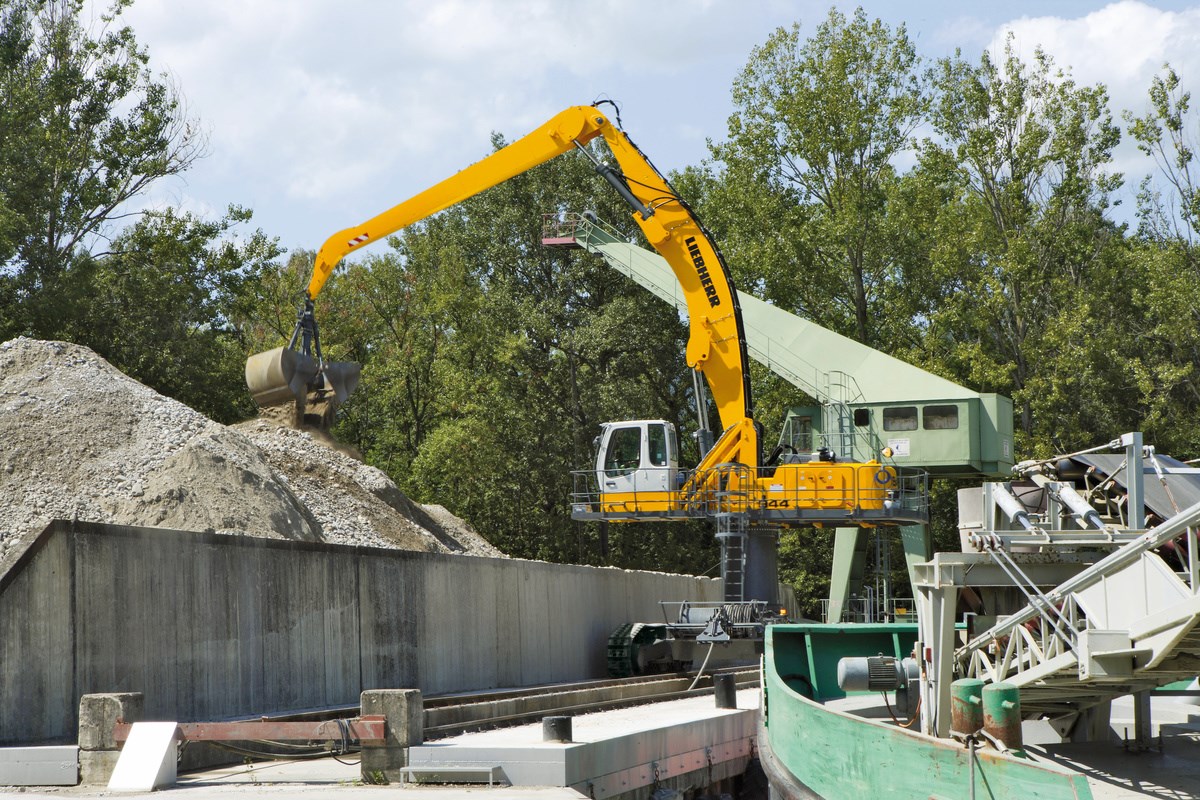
{"x": 1105, "y": 616}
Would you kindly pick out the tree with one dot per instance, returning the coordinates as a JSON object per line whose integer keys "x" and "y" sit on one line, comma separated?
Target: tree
{"x": 1162, "y": 133}
{"x": 812, "y": 211}
{"x": 808, "y": 178}
{"x": 1165, "y": 314}
{"x": 159, "y": 303}
{"x": 413, "y": 314}
{"x": 84, "y": 128}
{"x": 1032, "y": 264}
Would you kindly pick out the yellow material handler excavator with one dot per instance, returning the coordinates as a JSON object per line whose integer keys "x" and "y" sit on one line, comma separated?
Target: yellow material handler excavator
{"x": 636, "y": 474}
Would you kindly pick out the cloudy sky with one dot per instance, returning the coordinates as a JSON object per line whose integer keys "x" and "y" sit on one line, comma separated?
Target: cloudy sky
{"x": 321, "y": 114}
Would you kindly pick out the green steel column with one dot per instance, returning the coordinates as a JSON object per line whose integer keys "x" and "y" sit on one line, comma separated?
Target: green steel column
{"x": 849, "y": 564}
{"x": 918, "y": 546}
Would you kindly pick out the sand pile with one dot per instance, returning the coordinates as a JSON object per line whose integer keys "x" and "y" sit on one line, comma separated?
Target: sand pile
{"x": 81, "y": 440}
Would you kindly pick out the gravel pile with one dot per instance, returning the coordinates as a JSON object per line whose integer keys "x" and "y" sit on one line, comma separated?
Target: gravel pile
{"x": 81, "y": 440}
{"x": 357, "y": 503}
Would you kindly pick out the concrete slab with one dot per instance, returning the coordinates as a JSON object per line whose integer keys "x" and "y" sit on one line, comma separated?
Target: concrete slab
{"x": 149, "y": 758}
{"x": 302, "y": 780}
{"x": 613, "y": 751}
{"x": 39, "y": 766}
{"x": 283, "y": 780}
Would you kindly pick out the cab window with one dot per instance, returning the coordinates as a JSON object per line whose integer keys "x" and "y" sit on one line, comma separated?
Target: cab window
{"x": 656, "y": 438}
{"x": 624, "y": 452}
{"x": 941, "y": 418}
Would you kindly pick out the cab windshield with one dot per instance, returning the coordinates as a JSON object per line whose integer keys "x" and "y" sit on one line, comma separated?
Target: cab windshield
{"x": 624, "y": 452}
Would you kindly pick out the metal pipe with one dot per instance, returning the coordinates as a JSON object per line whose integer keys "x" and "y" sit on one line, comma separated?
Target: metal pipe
{"x": 1044, "y": 606}
{"x": 1081, "y": 509}
{"x": 1011, "y": 506}
{"x": 617, "y": 181}
{"x": 1026, "y": 466}
{"x": 971, "y": 747}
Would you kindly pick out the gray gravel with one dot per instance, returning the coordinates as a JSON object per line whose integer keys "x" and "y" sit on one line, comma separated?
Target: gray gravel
{"x": 81, "y": 440}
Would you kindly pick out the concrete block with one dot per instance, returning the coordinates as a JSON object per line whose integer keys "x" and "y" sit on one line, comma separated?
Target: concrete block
{"x": 96, "y": 766}
{"x": 405, "y": 714}
{"x": 99, "y": 712}
{"x": 149, "y": 759}
{"x": 39, "y": 766}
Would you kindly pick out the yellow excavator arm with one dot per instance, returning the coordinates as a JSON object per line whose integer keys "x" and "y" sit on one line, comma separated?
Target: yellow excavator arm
{"x": 730, "y": 479}
{"x": 716, "y": 345}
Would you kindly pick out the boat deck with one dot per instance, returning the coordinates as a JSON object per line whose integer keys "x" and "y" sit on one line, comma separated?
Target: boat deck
{"x": 1115, "y": 773}
{"x": 1170, "y": 770}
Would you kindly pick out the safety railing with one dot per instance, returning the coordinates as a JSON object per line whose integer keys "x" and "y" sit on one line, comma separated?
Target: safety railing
{"x": 823, "y": 492}
{"x": 871, "y": 609}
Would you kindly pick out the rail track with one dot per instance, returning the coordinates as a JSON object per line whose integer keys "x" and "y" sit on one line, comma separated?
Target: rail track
{"x": 452, "y": 714}
{"x": 448, "y": 715}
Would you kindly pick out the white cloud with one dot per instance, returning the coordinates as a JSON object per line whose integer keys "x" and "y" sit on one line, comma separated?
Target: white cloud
{"x": 1122, "y": 45}
{"x": 332, "y": 112}
{"x": 322, "y": 114}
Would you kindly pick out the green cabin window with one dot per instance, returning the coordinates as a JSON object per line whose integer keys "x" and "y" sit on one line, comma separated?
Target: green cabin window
{"x": 798, "y": 433}
{"x": 941, "y": 418}
{"x": 900, "y": 418}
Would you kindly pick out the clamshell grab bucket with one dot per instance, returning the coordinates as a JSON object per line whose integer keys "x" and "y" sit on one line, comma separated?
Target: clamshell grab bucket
{"x": 280, "y": 376}
{"x": 341, "y": 377}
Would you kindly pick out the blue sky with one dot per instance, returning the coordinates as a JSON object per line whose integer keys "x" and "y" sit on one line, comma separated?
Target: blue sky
{"x": 322, "y": 114}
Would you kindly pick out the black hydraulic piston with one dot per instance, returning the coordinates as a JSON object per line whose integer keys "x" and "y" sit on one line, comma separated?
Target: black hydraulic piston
{"x": 617, "y": 181}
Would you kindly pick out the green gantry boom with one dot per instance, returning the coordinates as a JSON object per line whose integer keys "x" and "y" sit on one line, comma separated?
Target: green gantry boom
{"x": 869, "y": 400}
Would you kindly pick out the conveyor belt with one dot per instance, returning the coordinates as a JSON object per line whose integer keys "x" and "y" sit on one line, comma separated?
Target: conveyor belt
{"x": 1182, "y": 479}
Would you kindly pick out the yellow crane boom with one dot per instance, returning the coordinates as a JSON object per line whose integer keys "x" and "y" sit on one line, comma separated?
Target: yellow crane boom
{"x": 636, "y": 469}
{"x": 716, "y": 346}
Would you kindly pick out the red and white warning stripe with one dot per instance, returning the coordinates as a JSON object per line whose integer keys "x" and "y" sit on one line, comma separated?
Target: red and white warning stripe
{"x": 357, "y": 240}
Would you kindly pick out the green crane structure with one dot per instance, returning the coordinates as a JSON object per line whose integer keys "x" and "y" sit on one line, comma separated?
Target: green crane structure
{"x": 869, "y": 404}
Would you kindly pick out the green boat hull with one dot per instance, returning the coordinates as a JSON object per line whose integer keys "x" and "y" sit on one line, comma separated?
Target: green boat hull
{"x": 810, "y": 750}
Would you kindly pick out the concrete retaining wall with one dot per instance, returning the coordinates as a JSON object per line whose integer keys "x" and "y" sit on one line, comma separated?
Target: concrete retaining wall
{"x": 212, "y": 626}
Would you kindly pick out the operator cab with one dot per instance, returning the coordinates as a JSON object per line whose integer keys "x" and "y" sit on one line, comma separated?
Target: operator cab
{"x": 637, "y": 456}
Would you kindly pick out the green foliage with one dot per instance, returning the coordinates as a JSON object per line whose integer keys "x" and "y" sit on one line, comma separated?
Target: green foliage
{"x": 1035, "y": 264}
{"x": 807, "y": 189}
{"x": 157, "y": 302}
{"x": 1165, "y": 313}
{"x": 85, "y": 128}
{"x": 805, "y": 558}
